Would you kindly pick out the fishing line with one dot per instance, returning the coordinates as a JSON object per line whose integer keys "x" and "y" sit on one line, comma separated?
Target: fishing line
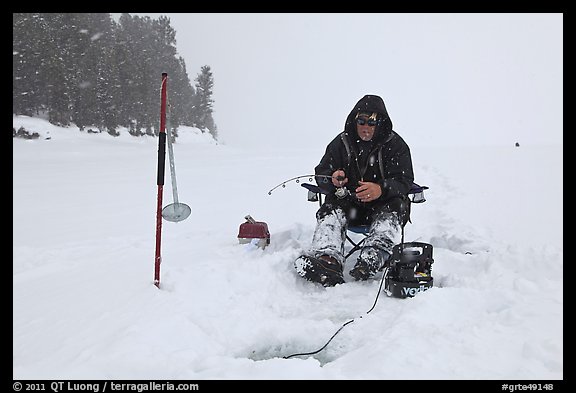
{"x": 346, "y": 323}
{"x": 386, "y": 270}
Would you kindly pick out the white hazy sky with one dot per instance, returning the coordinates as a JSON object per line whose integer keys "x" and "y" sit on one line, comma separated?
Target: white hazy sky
{"x": 479, "y": 78}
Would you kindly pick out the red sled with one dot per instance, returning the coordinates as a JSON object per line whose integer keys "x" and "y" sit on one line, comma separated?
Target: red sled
{"x": 255, "y": 232}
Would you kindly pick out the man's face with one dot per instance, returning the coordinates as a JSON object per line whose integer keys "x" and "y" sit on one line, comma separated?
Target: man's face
{"x": 365, "y": 127}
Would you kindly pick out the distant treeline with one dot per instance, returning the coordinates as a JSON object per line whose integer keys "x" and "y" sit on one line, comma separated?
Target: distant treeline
{"x": 89, "y": 70}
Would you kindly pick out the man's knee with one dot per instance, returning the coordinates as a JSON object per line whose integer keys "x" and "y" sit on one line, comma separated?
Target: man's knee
{"x": 400, "y": 206}
{"x": 329, "y": 208}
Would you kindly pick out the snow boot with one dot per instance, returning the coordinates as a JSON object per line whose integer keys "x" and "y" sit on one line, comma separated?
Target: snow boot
{"x": 369, "y": 262}
{"x": 324, "y": 269}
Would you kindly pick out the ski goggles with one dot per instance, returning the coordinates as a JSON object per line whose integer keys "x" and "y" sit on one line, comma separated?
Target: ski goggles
{"x": 362, "y": 120}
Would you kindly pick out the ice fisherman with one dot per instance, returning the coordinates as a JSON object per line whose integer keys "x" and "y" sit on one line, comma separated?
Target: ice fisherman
{"x": 368, "y": 169}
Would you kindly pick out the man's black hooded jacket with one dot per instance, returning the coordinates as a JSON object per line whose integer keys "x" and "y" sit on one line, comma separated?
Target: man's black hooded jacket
{"x": 385, "y": 159}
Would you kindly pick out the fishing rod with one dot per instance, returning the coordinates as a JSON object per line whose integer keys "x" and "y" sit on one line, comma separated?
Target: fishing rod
{"x": 297, "y": 180}
{"x": 341, "y": 192}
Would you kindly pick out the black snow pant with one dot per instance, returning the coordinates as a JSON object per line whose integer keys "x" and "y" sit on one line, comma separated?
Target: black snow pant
{"x": 384, "y": 218}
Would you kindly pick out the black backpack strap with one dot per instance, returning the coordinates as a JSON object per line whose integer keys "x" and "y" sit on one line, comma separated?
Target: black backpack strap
{"x": 380, "y": 160}
{"x": 347, "y": 146}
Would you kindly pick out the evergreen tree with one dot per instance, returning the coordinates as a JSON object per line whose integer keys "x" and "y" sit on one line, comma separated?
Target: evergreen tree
{"x": 128, "y": 73}
{"x": 144, "y": 88}
{"x": 102, "y": 37}
{"x": 204, "y": 101}
{"x": 61, "y": 70}
{"x": 85, "y": 74}
{"x": 28, "y": 56}
{"x": 185, "y": 97}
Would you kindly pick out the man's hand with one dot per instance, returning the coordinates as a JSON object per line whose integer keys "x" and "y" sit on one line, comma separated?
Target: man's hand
{"x": 368, "y": 192}
{"x": 339, "y": 178}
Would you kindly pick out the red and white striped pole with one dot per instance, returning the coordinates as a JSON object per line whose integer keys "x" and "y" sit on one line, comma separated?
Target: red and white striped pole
{"x": 160, "y": 179}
